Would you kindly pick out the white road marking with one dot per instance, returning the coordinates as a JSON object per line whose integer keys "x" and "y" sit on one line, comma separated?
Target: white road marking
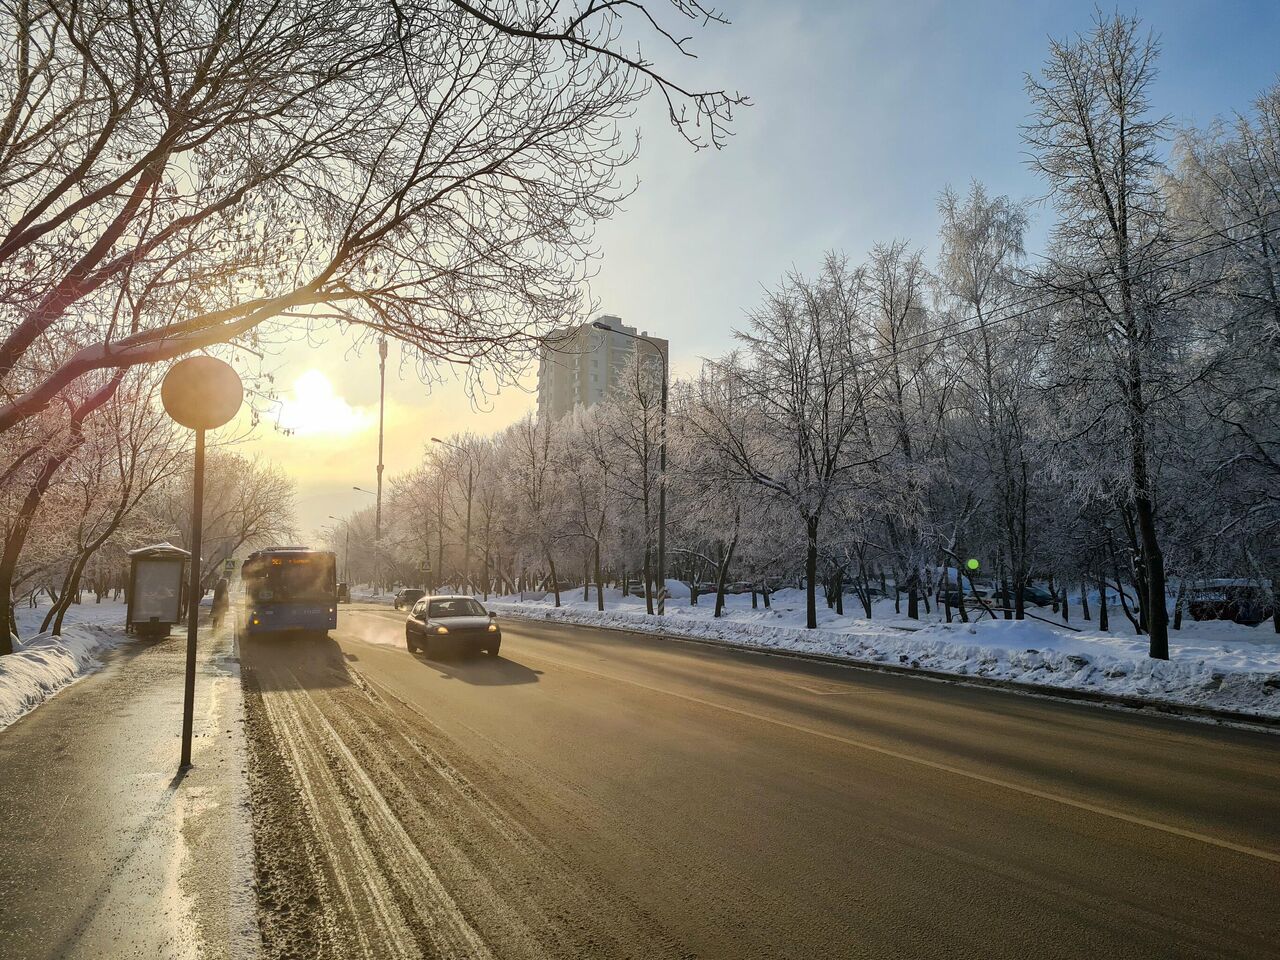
{"x": 1098, "y": 809}
{"x": 933, "y": 764}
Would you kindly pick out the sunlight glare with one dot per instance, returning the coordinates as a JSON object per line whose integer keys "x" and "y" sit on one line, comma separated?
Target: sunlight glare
{"x": 315, "y": 408}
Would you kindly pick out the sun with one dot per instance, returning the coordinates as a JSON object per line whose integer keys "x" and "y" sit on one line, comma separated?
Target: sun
{"x": 315, "y": 408}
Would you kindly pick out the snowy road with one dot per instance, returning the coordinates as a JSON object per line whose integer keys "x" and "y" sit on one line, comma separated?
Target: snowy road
{"x": 593, "y": 794}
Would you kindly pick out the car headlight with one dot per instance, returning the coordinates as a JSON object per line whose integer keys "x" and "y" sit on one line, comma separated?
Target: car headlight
{"x": 493, "y": 628}
{"x": 442, "y": 630}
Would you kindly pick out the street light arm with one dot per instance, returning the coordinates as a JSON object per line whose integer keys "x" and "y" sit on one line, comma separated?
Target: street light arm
{"x": 636, "y": 336}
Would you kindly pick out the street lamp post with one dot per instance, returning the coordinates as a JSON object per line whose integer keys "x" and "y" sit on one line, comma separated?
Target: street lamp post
{"x": 662, "y": 462}
{"x": 382, "y": 395}
{"x": 466, "y": 537}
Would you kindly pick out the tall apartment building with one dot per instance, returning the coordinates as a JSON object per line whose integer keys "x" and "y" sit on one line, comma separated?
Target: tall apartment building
{"x": 581, "y": 365}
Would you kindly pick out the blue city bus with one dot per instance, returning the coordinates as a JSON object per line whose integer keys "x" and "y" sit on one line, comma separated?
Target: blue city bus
{"x": 290, "y": 589}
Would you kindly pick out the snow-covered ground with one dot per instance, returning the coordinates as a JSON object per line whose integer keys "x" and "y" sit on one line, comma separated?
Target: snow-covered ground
{"x": 43, "y": 664}
{"x": 1213, "y": 664}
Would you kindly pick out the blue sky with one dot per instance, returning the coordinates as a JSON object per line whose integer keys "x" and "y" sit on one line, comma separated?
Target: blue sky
{"x": 863, "y": 112}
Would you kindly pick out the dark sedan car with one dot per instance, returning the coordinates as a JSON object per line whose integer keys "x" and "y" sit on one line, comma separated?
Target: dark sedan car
{"x": 408, "y": 597}
{"x": 453, "y": 622}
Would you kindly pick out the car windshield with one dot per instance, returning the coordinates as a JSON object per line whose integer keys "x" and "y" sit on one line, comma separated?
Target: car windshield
{"x": 456, "y": 607}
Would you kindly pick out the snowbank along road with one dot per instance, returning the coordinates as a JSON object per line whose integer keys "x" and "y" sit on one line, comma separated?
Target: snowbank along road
{"x": 603, "y": 795}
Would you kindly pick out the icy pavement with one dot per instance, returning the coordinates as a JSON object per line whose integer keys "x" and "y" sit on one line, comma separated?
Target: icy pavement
{"x": 1223, "y": 666}
{"x": 108, "y": 854}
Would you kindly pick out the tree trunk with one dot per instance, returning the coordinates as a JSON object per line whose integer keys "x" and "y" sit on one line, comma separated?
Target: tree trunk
{"x": 1157, "y": 613}
{"x": 1084, "y": 600}
{"x": 811, "y": 573}
{"x": 1104, "y": 623}
{"x": 1124, "y": 605}
{"x": 1010, "y": 604}
{"x": 1275, "y": 602}
{"x": 726, "y": 559}
{"x": 648, "y": 580}
{"x": 599, "y": 581}
{"x": 555, "y": 582}
{"x": 960, "y": 606}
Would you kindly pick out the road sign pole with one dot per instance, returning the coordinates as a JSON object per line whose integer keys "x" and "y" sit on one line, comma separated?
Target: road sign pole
{"x": 193, "y": 600}
{"x": 201, "y": 393}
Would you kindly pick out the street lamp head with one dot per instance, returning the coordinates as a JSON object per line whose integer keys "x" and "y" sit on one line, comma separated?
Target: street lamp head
{"x": 602, "y": 326}
{"x": 436, "y": 440}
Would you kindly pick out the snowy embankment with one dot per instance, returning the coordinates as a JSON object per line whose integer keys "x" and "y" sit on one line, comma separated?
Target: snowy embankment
{"x": 1223, "y": 666}
{"x": 44, "y": 664}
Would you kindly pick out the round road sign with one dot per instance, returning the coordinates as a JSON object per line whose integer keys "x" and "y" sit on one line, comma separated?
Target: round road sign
{"x": 201, "y": 392}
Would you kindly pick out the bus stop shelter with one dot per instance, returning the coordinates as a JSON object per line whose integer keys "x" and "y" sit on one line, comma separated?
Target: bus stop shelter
{"x": 157, "y": 589}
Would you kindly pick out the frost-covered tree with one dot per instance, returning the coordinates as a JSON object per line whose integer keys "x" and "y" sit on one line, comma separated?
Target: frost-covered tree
{"x": 1094, "y": 139}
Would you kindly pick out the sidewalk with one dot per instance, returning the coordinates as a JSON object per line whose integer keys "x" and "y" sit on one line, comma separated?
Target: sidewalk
{"x": 105, "y": 853}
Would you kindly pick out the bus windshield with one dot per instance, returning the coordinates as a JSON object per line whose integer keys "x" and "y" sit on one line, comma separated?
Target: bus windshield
{"x": 290, "y": 578}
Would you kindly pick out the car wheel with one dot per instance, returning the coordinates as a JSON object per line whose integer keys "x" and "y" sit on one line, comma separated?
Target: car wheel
{"x": 494, "y": 648}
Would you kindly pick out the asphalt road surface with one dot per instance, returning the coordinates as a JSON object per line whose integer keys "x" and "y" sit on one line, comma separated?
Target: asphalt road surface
{"x": 597, "y": 794}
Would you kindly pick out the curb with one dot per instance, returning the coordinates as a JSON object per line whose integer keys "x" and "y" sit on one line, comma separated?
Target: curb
{"x": 1149, "y": 707}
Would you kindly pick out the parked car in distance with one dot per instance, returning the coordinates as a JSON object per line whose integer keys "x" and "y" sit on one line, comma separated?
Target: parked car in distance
{"x": 408, "y": 597}
{"x": 973, "y": 594}
{"x": 1032, "y": 594}
{"x": 1244, "y": 601}
{"x": 457, "y": 622}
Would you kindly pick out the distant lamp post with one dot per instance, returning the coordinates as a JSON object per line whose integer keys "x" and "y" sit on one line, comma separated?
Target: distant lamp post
{"x": 382, "y": 395}
{"x": 201, "y": 393}
{"x": 662, "y": 461}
